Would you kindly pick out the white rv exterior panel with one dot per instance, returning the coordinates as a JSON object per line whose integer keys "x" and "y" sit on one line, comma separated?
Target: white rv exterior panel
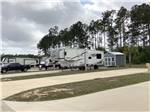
{"x": 93, "y": 57}
{"x": 30, "y": 61}
{"x": 20, "y": 60}
{"x": 72, "y": 57}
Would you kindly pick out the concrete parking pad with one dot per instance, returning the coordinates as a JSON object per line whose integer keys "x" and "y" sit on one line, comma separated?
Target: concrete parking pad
{"x": 5, "y": 107}
{"x": 125, "y": 99}
{"x": 13, "y": 87}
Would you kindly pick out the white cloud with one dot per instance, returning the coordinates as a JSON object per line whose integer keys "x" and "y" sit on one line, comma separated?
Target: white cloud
{"x": 25, "y": 22}
{"x": 0, "y": 33}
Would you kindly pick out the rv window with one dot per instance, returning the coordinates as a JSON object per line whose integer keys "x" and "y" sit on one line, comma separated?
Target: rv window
{"x": 99, "y": 56}
{"x": 90, "y": 57}
{"x": 65, "y": 53}
{"x": 37, "y": 61}
{"x": 113, "y": 59}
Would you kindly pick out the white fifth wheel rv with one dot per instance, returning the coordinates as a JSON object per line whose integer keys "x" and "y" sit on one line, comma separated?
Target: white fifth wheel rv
{"x": 77, "y": 58}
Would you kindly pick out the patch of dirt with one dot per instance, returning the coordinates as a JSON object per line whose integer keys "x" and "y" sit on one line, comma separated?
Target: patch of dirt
{"x": 39, "y": 93}
{"x": 27, "y": 95}
{"x": 60, "y": 90}
{"x": 113, "y": 80}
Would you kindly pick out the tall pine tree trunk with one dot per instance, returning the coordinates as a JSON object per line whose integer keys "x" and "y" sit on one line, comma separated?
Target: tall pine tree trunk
{"x": 95, "y": 41}
{"x": 104, "y": 41}
{"x": 104, "y": 38}
{"x": 123, "y": 34}
{"x": 120, "y": 39}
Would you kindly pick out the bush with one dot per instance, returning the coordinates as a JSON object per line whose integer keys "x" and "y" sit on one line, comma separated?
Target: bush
{"x": 139, "y": 55}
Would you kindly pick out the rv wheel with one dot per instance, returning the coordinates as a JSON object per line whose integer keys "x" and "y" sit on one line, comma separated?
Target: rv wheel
{"x": 4, "y": 71}
{"x": 25, "y": 70}
{"x": 82, "y": 68}
{"x": 59, "y": 66}
{"x": 95, "y": 67}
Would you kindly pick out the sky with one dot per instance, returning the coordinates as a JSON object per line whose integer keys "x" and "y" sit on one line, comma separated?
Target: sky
{"x": 25, "y": 22}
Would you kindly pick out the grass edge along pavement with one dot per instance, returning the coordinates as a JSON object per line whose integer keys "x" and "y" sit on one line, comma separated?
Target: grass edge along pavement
{"x": 78, "y": 88}
{"x": 15, "y": 78}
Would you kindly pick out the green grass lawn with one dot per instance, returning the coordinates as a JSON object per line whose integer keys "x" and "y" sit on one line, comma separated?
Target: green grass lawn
{"x": 55, "y": 74}
{"x": 78, "y": 88}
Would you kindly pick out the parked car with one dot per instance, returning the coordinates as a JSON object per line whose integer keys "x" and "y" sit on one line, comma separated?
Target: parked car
{"x": 14, "y": 66}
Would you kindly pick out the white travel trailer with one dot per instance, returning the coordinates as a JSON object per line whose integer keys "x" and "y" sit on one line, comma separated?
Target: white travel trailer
{"x": 74, "y": 57}
{"x": 21, "y": 60}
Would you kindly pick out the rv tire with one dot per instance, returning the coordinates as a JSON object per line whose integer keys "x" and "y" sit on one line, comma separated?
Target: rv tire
{"x": 25, "y": 69}
{"x": 82, "y": 68}
{"x": 4, "y": 71}
{"x": 95, "y": 67}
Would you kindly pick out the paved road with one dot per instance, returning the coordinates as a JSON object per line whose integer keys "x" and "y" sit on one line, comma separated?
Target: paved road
{"x": 34, "y": 72}
{"x": 125, "y": 99}
{"x": 13, "y": 87}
